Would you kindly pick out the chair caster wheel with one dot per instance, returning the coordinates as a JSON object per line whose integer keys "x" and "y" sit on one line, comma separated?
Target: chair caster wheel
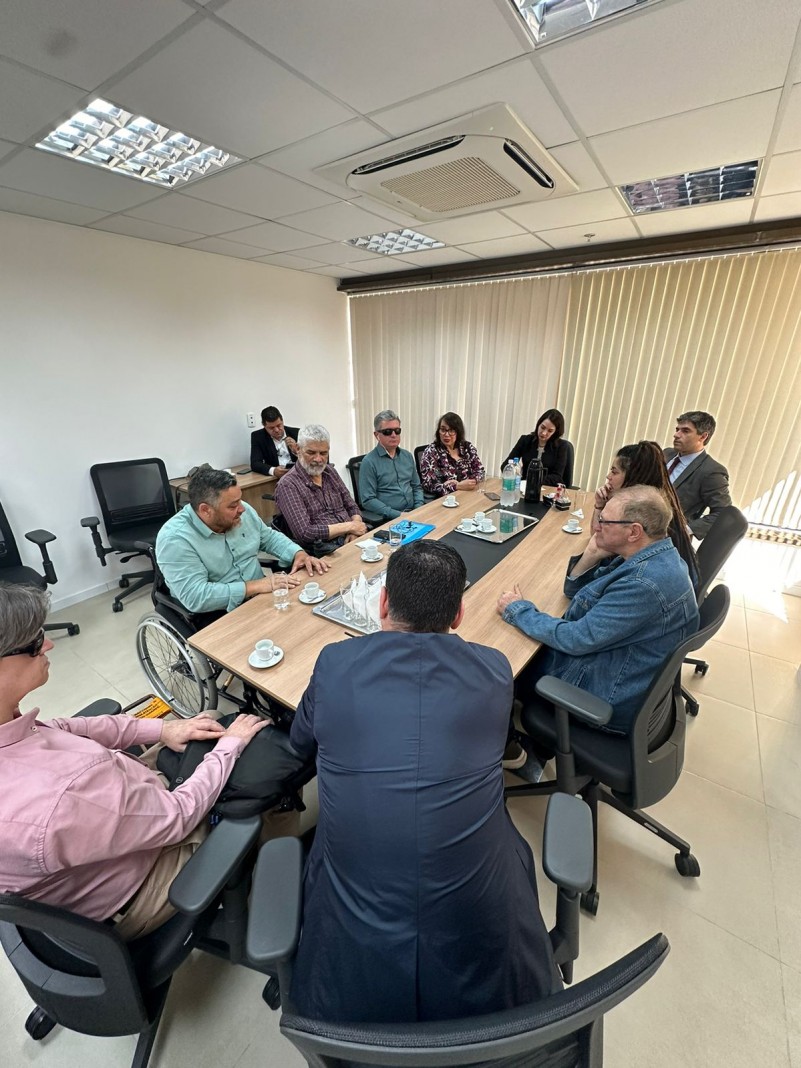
{"x": 691, "y": 707}
{"x": 589, "y": 902}
{"x": 73, "y": 629}
{"x": 124, "y": 584}
{"x": 687, "y": 865}
{"x": 39, "y": 1024}
{"x": 117, "y": 606}
{"x": 271, "y": 994}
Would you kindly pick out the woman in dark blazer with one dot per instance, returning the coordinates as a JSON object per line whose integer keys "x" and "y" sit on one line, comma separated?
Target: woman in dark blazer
{"x": 547, "y": 443}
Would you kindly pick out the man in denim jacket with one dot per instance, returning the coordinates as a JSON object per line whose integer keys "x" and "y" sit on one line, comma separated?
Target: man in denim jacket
{"x": 632, "y": 603}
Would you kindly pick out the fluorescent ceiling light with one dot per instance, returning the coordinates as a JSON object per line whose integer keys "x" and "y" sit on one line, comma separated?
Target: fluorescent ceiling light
{"x": 730, "y": 182}
{"x": 127, "y": 143}
{"x": 394, "y": 242}
{"x": 548, "y": 20}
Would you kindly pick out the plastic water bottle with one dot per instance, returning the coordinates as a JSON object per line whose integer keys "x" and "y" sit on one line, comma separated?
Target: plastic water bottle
{"x": 518, "y": 477}
{"x": 508, "y": 485}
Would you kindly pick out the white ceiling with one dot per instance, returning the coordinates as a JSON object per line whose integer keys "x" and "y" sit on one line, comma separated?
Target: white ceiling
{"x": 290, "y": 87}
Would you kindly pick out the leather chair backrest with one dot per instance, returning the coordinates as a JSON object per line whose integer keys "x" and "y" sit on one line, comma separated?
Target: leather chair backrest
{"x": 729, "y": 528}
{"x": 9, "y": 554}
{"x": 132, "y": 492}
{"x": 354, "y": 465}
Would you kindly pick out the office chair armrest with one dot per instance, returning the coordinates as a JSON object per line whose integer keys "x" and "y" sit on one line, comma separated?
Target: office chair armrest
{"x": 268, "y": 496}
{"x": 40, "y": 537}
{"x": 104, "y": 706}
{"x": 145, "y": 547}
{"x": 275, "y": 915}
{"x": 90, "y": 521}
{"x": 567, "y": 847}
{"x": 584, "y": 706}
{"x": 203, "y": 878}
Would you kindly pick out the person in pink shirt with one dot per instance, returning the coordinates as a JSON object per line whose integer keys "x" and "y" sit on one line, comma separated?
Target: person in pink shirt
{"x": 83, "y": 824}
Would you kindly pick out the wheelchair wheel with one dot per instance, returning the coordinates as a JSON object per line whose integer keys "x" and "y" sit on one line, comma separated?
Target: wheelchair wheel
{"x": 179, "y": 675}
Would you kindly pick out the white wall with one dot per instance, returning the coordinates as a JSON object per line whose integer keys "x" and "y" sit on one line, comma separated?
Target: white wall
{"x": 113, "y": 348}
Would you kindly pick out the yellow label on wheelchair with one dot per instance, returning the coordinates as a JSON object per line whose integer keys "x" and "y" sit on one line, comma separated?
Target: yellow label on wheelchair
{"x": 152, "y": 707}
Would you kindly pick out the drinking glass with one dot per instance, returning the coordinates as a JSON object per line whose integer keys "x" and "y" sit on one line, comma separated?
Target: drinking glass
{"x": 395, "y": 539}
{"x": 281, "y": 591}
{"x": 346, "y": 593}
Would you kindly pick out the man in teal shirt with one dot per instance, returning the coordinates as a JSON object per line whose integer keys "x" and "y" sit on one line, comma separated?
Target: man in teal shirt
{"x": 208, "y": 552}
{"x": 388, "y": 480}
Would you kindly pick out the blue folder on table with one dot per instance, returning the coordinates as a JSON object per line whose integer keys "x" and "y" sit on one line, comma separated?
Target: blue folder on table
{"x": 411, "y": 531}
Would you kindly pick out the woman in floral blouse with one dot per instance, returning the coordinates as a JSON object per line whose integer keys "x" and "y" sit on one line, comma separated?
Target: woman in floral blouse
{"x": 450, "y": 462}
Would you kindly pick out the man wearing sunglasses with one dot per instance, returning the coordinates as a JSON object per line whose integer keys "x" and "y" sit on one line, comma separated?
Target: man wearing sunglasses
{"x": 632, "y": 603}
{"x": 388, "y": 480}
{"x": 83, "y": 824}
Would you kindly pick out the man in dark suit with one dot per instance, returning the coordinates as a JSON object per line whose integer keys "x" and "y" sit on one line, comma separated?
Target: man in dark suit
{"x": 274, "y": 448}
{"x": 420, "y": 898}
{"x": 701, "y": 483}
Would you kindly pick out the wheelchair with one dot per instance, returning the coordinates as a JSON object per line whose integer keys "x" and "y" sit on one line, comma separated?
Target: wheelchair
{"x": 188, "y": 681}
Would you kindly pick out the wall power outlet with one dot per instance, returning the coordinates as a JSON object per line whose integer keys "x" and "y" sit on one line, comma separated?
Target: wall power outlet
{"x": 250, "y": 419}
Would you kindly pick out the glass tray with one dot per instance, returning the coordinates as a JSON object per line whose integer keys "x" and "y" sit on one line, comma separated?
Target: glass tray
{"x": 507, "y": 525}
{"x": 333, "y": 610}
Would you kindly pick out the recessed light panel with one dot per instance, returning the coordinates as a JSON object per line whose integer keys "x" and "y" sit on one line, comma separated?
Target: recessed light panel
{"x": 548, "y": 20}
{"x": 126, "y": 143}
{"x": 730, "y": 182}
{"x": 394, "y": 242}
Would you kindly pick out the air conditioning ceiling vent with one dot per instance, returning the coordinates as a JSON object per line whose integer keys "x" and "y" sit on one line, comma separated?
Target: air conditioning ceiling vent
{"x": 482, "y": 161}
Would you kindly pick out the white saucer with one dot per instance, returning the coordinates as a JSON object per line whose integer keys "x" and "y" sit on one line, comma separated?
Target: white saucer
{"x": 311, "y": 600}
{"x": 446, "y": 505}
{"x": 486, "y": 530}
{"x": 467, "y": 530}
{"x": 372, "y": 559}
{"x": 567, "y": 530}
{"x": 278, "y": 656}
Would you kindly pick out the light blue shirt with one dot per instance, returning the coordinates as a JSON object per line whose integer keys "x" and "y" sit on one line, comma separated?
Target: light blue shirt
{"x": 684, "y": 462}
{"x": 206, "y": 571}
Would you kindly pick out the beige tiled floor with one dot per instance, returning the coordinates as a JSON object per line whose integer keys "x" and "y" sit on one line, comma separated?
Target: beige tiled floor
{"x": 730, "y": 991}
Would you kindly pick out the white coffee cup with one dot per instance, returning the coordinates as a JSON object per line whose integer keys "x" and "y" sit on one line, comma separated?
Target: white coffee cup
{"x": 572, "y": 523}
{"x": 487, "y": 526}
{"x": 311, "y": 590}
{"x": 265, "y": 650}
{"x": 467, "y": 524}
{"x": 479, "y": 517}
{"x": 371, "y": 554}
{"x": 450, "y": 499}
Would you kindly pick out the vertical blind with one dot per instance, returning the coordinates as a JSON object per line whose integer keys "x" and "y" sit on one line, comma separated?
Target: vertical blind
{"x": 620, "y": 351}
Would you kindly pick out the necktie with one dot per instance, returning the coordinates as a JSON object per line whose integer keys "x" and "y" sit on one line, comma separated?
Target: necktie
{"x": 674, "y": 463}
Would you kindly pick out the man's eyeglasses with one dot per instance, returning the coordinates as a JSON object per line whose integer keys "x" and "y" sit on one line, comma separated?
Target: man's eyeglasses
{"x": 614, "y": 522}
{"x": 31, "y": 649}
{"x": 390, "y": 430}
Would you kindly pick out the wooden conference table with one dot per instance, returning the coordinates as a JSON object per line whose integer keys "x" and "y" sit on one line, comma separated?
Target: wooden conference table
{"x": 537, "y": 563}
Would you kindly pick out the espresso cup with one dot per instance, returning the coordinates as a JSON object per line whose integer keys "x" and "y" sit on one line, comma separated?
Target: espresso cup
{"x": 450, "y": 499}
{"x": 265, "y": 649}
{"x": 371, "y": 554}
{"x": 572, "y": 523}
{"x": 479, "y": 517}
{"x": 486, "y": 526}
{"x": 467, "y": 524}
{"x": 311, "y": 589}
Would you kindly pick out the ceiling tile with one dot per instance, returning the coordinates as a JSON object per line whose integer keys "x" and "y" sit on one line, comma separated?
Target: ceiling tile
{"x": 785, "y": 206}
{"x": 437, "y": 257}
{"x": 789, "y": 137}
{"x": 286, "y": 259}
{"x": 31, "y": 101}
{"x": 299, "y": 160}
{"x": 336, "y": 252}
{"x": 336, "y": 272}
{"x": 578, "y": 208}
{"x": 41, "y": 172}
{"x": 698, "y": 217}
{"x": 381, "y": 265}
{"x": 212, "y": 85}
{"x": 725, "y": 133}
{"x": 783, "y": 174}
{"x": 506, "y": 246}
{"x": 85, "y": 43}
{"x": 580, "y": 165}
{"x": 388, "y": 213}
{"x": 337, "y": 222}
{"x": 483, "y": 227}
{"x": 377, "y": 54}
{"x": 706, "y": 51}
{"x": 6, "y": 147}
{"x": 46, "y": 208}
{"x": 177, "y": 209}
{"x": 570, "y": 236}
{"x": 516, "y": 84}
{"x": 273, "y": 236}
{"x": 148, "y": 231}
{"x": 254, "y": 189}
{"x": 222, "y": 247}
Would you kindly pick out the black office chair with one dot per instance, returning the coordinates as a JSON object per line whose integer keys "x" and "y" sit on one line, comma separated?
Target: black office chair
{"x": 13, "y": 571}
{"x": 135, "y": 501}
{"x": 354, "y": 466}
{"x": 418, "y": 456}
{"x": 569, "y": 465}
{"x": 561, "y": 1031}
{"x": 629, "y": 772}
{"x": 729, "y": 528}
{"x": 82, "y": 975}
